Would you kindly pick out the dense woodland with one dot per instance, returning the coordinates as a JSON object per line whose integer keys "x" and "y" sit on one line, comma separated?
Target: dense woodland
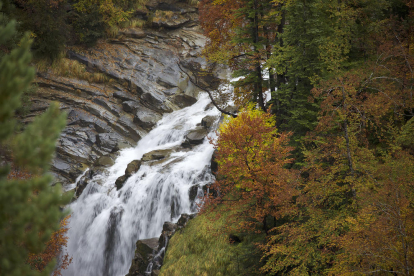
{"x": 326, "y": 169}
{"x": 322, "y": 173}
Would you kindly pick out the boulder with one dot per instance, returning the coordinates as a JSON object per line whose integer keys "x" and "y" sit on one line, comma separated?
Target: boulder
{"x": 183, "y": 220}
{"x": 183, "y": 100}
{"x": 142, "y": 257}
{"x": 146, "y": 118}
{"x": 132, "y": 168}
{"x": 104, "y": 161}
{"x": 195, "y": 137}
{"x": 208, "y": 121}
{"x": 119, "y": 183}
{"x": 168, "y": 230}
{"x": 156, "y": 155}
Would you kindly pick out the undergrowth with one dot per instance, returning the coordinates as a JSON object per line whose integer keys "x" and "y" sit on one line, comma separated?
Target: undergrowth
{"x": 70, "y": 68}
{"x": 203, "y": 247}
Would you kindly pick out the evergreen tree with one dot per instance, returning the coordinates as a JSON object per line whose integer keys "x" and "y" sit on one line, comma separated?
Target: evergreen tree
{"x": 29, "y": 208}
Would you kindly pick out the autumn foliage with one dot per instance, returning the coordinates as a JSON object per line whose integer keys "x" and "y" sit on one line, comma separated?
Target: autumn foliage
{"x": 344, "y": 72}
{"x": 55, "y": 249}
{"x": 252, "y": 176}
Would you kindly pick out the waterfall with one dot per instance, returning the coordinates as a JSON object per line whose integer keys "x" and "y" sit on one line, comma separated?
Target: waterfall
{"x": 106, "y": 222}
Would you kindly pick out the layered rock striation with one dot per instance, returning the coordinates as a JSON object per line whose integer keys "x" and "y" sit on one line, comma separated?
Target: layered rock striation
{"x": 142, "y": 82}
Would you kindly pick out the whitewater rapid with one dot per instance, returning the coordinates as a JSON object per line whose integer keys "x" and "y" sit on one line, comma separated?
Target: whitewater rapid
{"x": 106, "y": 223}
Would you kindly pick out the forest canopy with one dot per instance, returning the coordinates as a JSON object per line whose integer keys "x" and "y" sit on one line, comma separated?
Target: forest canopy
{"x": 336, "y": 197}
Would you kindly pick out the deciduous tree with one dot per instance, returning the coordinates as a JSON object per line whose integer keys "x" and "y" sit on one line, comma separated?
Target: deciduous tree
{"x": 251, "y": 167}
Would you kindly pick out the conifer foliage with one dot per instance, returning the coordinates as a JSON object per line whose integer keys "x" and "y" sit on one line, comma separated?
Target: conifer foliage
{"x": 29, "y": 208}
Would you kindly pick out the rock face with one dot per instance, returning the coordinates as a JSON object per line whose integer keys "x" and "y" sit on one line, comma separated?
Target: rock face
{"x": 142, "y": 82}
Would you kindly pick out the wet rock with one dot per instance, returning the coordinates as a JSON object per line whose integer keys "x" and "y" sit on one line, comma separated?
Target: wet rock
{"x": 119, "y": 183}
{"x": 192, "y": 192}
{"x": 83, "y": 182}
{"x": 146, "y": 118}
{"x": 105, "y": 161}
{"x": 133, "y": 167}
{"x": 195, "y": 137}
{"x": 208, "y": 121}
{"x": 168, "y": 230}
{"x": 156, "y": 155}
{"x": 135, "y": 133}
{"x": 142, "y": 257}
{"x": 183, "y": 220}
{"x": 183, "y": 100}
{"x": 231, "y": 110}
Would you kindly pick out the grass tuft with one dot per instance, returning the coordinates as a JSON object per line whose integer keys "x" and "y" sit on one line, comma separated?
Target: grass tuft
{"x": 193, "y": 2}
{"x": 70, "y": 68}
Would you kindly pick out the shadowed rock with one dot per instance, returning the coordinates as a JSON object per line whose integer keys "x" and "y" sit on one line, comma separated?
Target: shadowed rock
{"x": 195, "y": 137}
{"x": 208, "y": 121}
{"x": 144, "y": 252}
{"x": 156, "y": 155}
{"x": 183, "y": 100}
{"x": 132, "y": 168}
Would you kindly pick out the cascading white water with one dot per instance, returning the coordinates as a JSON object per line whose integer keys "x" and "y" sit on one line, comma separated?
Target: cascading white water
{"x": 106, "y": 223}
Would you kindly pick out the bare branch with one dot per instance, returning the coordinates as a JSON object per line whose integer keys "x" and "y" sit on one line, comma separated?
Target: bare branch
{"x": 194, "y": 81}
